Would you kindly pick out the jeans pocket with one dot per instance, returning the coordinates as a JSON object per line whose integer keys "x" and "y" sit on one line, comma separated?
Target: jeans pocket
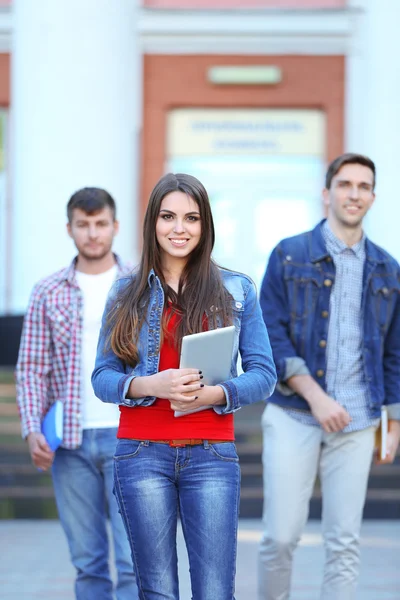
{"x": 127, "y": 449}
{"x": 225, "y": 451}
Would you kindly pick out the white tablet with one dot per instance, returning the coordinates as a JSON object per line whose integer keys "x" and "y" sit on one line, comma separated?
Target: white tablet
{"x": 211, "y": 352}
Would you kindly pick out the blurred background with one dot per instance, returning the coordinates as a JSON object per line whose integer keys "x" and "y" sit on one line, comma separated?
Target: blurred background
{"x": 252, "y": 97}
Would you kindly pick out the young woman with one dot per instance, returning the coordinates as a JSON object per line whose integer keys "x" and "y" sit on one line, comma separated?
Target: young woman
{"x": 164, "y": 464}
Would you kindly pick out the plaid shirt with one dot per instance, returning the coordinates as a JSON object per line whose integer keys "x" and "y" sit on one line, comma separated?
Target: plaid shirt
{"x": 49, "y": 360}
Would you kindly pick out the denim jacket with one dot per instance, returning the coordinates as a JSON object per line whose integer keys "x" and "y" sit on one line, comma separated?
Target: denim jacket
{"x": 111, "y": 377}
{"x": 295, "y": 298}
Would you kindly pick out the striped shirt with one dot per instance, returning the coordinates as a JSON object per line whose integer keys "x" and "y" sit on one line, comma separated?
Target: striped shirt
{"x": 345, "y": 379}
{"x": 49, "y": 360}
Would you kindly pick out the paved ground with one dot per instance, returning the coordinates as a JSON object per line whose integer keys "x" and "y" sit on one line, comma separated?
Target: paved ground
{"x": 34, "y": 562}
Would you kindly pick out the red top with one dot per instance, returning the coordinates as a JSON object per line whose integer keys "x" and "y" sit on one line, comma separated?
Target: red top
{"x": 157, "y": 422}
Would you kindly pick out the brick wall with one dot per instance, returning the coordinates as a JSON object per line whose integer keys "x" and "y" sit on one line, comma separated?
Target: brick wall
{"x": 4, "y": 80}
{"x": 180, "y": 82}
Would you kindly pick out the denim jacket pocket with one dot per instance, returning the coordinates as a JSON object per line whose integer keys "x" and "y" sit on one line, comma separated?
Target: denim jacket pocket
{"x": 303, "y": 283}
{"x": 384, "y": 295}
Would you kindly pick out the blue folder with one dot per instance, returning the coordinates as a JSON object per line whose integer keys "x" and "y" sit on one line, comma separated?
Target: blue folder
{"x": 53, "y": 425}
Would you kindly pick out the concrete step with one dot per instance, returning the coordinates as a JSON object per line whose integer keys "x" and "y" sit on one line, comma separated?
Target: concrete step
{"x": 389, "y": 473}
{"x": 7, "y": 390}
{"x": 9, "y": 409}
{"x": 18, "y": 491}
{"x": 380, "y": 504}
{"x": 10, "y": 428}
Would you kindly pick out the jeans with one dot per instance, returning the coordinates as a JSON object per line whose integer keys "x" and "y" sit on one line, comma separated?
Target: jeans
{"x": 293, "y": 455}
{"x": 152, "y": 483}
{"x": 83, "y": 483}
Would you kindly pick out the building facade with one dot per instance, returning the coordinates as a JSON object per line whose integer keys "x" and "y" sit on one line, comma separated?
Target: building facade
{"x": 254, "y": 98}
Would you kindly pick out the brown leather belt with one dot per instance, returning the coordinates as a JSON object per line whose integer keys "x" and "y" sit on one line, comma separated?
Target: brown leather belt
{"x": 186, "y": 442}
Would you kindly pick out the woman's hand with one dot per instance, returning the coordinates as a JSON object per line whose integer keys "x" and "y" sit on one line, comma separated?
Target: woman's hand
{"x": 208, "y": 395}
{"x": 171, "y": 384}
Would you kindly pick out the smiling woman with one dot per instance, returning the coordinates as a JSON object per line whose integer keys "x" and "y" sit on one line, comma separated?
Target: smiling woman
{"x": 164, "y": 465}
{"x": 178, "y": 232}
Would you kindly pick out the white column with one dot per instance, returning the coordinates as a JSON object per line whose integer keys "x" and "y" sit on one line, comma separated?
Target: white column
{"x": 373, "y": 110}
{"x": 76, "y": 89}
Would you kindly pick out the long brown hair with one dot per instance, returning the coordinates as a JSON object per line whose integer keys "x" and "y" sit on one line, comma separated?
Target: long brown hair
{"x": 201, "y": 290}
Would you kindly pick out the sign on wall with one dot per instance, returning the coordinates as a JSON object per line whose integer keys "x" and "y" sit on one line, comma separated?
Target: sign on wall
{"x": 256, "y": 131}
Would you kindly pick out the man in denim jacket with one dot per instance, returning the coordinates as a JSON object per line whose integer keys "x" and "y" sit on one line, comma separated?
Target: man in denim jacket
{"x": 330, "y": 300}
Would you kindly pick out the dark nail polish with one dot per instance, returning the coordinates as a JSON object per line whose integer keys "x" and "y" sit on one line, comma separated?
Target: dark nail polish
{"x": 202, "y": 385}
{"x": 201, "y": 376}
{"x": 200, "y": 372}
{"x": 195, "y": 397}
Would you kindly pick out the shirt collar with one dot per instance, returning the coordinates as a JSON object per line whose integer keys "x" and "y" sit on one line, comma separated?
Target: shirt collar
{"x": 71, "y": 270}
{"x": 337, "y": 246}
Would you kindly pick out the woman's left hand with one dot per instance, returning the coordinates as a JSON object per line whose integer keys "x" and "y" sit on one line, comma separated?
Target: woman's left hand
{"x": 209, "y": 395}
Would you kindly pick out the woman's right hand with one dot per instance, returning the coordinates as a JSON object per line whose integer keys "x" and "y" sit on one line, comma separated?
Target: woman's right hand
{"x": 171, "y": 384}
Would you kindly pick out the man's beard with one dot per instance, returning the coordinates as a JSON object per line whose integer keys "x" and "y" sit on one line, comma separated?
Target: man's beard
{"x": 98, "y": 255}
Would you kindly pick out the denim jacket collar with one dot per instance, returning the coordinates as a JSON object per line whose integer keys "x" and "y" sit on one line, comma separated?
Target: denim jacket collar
{"x": 151, "y": 277}
{"x": 374, "y": 255}
{"x": 319, "y": 252}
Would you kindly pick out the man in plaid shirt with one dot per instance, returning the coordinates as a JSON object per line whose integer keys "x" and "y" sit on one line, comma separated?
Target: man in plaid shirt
{"x": 56, "y": 359}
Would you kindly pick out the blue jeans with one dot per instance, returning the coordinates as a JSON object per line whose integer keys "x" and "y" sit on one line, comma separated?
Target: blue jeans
{"x": 83, "y": 483}
{"x": 152, "y": 483}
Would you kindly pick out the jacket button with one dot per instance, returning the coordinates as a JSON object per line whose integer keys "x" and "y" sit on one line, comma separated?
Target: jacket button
{"x": 324, "y": 314}
{"x": 322, "y": 344}
{"x": 320, "y": 373}
{"x": 327, "y": 282}
{"x": 328, "y": 259}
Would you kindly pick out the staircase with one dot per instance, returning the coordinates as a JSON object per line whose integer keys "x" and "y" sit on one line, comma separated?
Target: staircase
{"x": 26, "y": 493}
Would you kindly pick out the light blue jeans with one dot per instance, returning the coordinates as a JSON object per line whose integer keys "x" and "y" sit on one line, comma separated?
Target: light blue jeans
{"x": 153, "y": 482}
{"x": 83, "y": 484}
{"x": 293, "y": 455}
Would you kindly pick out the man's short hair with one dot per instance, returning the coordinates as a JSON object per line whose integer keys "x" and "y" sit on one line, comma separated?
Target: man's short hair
{"x": 91, "y": 200}
{"x": 348, "y": 159}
